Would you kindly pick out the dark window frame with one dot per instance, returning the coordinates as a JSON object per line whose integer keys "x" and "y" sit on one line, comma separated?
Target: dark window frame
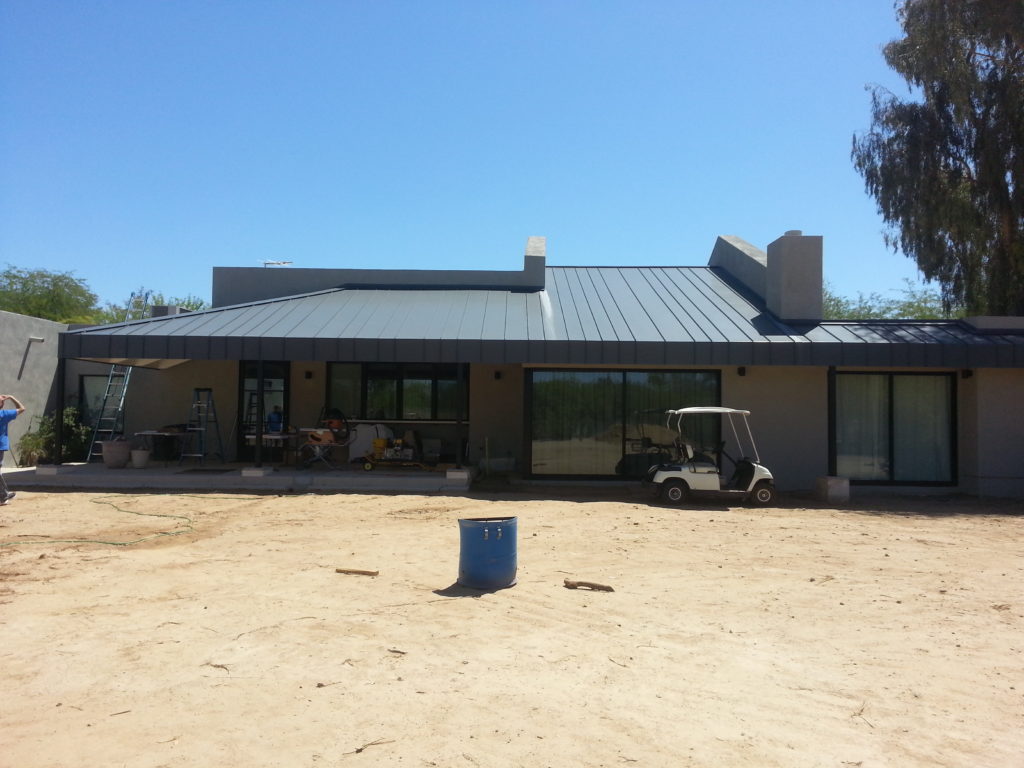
{"x": 624, "y": 415}
{"x": 85, "y": 415}
{"x": 954, "y": 459}
{"x": 398, "y": 373}
{"x": 245, "y": 450}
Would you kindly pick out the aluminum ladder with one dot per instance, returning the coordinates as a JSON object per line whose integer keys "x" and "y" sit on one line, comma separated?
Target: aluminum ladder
{"x": 202, "y": 418}
{"x": 109, "y": 423}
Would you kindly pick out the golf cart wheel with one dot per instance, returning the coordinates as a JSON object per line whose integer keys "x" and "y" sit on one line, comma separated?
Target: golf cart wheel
{"x": 763, "y": 494}
{"x": 676, "y": 491}
{"x": 368, "y": 465}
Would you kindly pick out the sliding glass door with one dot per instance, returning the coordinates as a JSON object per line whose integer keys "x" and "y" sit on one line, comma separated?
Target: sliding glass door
{"x": 895, "y": 428}
{"x": 576, "y": 422}
{"x": 610, "y": 422}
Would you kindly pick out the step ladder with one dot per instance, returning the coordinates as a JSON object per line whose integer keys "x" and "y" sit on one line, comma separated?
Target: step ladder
{"x": 109, "y": 423}
{"x": 249, "y": 424}
{"x": 202, "y": 419}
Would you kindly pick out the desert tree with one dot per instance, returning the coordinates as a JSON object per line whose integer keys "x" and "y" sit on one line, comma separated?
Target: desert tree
{"x": 58, "y": 296}
{"x": 946, "y": 165}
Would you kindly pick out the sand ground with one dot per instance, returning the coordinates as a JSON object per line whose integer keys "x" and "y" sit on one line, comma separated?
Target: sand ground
{"x": 219, "y": 633}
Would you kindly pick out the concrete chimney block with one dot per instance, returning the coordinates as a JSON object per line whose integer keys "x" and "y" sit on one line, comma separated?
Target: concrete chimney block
{"x": 794, "y": 277}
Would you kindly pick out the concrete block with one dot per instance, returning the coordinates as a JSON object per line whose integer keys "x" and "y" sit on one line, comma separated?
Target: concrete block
{"x": 48, "y": 469}
{"x": 833, "y": 490}
{"x": 257, "y": 471}
{"x": 457, "y": 475}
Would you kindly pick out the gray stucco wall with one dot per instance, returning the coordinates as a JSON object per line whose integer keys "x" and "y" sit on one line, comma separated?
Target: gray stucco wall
{"x": 992, "y": 433}
{"x": 28, "y": 369}
{"x": 789, "y": 418}
{"x": 236, "y": 285}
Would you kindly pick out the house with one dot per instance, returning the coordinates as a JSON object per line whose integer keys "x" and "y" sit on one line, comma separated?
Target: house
{"x": 565, "y": 372}
{"x": 28, "y": 348}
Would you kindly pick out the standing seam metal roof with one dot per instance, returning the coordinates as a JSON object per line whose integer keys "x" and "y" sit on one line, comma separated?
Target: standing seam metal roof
{"x": 586, "y": 315}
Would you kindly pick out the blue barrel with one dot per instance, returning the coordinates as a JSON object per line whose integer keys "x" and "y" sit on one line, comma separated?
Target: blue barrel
{"x": 487, "y": 558}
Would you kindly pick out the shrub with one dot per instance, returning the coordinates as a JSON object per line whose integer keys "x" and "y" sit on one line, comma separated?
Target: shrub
{"x": 39, "y": 446}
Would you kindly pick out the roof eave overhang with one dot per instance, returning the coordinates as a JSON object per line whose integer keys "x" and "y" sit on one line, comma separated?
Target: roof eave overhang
{"x": 167, "y": 351}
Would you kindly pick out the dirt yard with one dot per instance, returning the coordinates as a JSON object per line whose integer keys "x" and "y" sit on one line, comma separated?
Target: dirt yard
{"x": 215, "y": 630}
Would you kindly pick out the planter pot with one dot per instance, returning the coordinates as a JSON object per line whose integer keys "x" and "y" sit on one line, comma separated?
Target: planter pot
{"x": 140, "y": 458}
{"x": 116, "y": 453}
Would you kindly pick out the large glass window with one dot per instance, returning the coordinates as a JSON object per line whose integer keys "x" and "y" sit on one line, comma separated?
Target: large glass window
{"x": 611, "y": 422}
{"x": 275, "y": 392}
{"x": 275, "y": 401}
{"x": 922, "y": 428}
{"x": 650, "y": 394}
{"x": 862, "y": 427}
{"x": 382, "y": 391}
{"x": 397, "y": 391}
{"x": 91, "y": 388}
{"x": 894, "y": 427}
{"x": 344, "y": 387}
{"x": 577, "y": 422}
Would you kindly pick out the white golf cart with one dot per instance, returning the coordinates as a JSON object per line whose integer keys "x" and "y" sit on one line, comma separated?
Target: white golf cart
{"x": 698, "y": 471}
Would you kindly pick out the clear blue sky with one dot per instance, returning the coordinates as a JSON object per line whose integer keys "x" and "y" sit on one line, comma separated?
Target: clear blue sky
{"x": 145, "y": 142}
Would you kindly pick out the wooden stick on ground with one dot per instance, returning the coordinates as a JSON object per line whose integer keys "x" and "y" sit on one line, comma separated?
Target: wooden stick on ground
{"x": 570, "y": 584}
{"x": 356, "y": 572}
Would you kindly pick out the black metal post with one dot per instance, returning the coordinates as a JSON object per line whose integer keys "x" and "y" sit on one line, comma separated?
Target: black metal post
{"x": 59, "y": 426}
{"x": 831, "y": 385}
{"x": 460, "y": 389}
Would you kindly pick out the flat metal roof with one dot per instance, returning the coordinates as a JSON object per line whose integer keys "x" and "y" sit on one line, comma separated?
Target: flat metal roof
{"x": 585, "y": 316}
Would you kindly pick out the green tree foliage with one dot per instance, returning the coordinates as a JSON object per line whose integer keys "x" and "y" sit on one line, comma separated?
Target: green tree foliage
{"x": 914, "y": 302}
{"x": 132, "y": 307}
{"x": 58, "y": 296}
{"x": 64, "y": 298}
{"x": 946, "y": 167}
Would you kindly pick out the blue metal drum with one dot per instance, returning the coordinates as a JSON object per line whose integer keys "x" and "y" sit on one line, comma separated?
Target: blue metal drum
{"x": 487, "y": 558}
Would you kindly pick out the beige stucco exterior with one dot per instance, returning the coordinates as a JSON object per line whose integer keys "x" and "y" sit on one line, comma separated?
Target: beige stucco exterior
{"x": 789, "y": 418}
{"x": 992, "y": 432}
{"x": 788, "y": 404}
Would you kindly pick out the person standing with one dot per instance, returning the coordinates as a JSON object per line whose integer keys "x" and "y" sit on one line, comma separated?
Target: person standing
{"x": 7, "y": 415}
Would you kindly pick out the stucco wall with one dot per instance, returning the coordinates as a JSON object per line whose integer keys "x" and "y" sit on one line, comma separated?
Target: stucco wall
{"x": 992, "y": 433}
{"x": 789, "y": 418}
{"x": 496, "y": 413}
{"x": 307, "y": 395}
{"x": 27, "y": 369}
{"x": 160, "y": 398}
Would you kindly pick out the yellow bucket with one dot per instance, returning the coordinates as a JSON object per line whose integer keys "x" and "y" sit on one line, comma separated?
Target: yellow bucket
{"x": 380, "y": 444}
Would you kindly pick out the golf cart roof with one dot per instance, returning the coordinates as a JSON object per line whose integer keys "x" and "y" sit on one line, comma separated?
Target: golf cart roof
{"x": 708, "y": 409}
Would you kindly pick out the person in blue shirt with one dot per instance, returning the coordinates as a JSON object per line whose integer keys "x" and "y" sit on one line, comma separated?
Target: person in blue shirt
{"x": 275, "y": 420}
{"x": 7, "y": 415}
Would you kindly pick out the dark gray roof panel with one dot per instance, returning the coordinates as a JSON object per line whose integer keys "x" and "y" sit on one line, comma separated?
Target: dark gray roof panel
{"x": 586, "y": 315}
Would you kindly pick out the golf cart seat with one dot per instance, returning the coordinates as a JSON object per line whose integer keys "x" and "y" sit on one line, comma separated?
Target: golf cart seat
{"x": 700, "y": 461}
{"x": 683, "y": 449}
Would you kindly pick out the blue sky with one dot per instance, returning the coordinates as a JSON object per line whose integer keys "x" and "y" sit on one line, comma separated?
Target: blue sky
{"x": 145, "y": 142}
